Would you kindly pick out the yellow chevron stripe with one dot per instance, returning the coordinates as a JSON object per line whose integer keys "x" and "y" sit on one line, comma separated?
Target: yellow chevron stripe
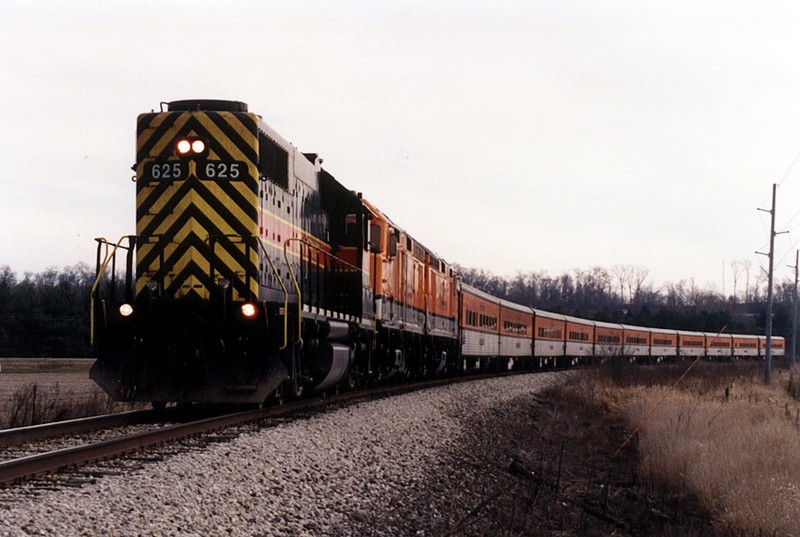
{"x": 190, "y": 256}
{"x": 193, "y": 199}
{"x": 169, "y": 247}
{"x": 193, "y": 227}
{"x": 144, "y": 249}
{"x": 156, "y": 189}
{"x": 221, "y": 226}
{"x": 176, "y": 266}
{"x": 248, "y": 136}
{"x": 167, "y": 137}
{"x": 145, "y": 191}
{"x": 150, "y": 129}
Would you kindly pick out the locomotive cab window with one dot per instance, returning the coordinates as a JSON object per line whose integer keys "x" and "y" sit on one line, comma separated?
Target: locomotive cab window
{"x": 374, "y": 243}
{"x": 352, "y": 231}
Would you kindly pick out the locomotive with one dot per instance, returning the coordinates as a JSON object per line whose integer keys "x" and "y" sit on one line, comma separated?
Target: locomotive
{"x": 254, "y": 273}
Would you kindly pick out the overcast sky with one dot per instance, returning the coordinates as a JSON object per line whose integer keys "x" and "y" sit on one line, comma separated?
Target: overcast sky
{"x": 508, "y": 136}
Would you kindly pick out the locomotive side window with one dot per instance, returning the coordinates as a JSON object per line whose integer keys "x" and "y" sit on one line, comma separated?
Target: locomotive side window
{"x": 273, "y": 161}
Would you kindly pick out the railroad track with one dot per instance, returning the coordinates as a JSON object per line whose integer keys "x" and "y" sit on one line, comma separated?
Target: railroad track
{"x": 22, "y": 435}
{"x": 28, "y": 467}
{"x": 33, "y": 433}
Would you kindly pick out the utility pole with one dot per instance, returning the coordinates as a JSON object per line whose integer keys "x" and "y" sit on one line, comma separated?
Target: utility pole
{"x": 793, "y": 355}
{"x": 768, "y": 352}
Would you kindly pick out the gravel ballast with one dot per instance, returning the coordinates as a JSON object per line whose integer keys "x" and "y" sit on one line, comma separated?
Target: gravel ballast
{"x": 416, "y": 464}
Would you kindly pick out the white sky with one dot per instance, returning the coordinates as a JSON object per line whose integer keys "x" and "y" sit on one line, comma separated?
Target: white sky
{"x": 509, "y": 136}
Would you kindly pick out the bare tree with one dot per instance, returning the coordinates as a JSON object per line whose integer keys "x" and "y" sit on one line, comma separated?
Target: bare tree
{"x": 676, "y": 294}
{"x": 638, "y": 275}
{"x": 746, "y": 266}
{"x": 623, "y": 274}
{"x": 736, "y": 270}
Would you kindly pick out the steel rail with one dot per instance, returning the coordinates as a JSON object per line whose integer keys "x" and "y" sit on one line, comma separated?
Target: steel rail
{"x": 33, "y": 465}
{"x": 21, "y": 435}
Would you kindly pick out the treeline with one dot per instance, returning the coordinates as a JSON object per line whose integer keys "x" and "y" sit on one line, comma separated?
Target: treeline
{"x": 47, "y": 314}
{"x": 623, "y": 294}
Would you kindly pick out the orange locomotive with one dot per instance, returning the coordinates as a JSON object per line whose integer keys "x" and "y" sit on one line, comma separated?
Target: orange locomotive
{"x": 253, "y": 272}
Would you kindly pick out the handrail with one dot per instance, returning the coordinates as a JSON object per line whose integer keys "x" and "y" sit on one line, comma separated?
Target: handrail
{"x": 299, "y": 340}
{"x": 285, "y": 295}
{"x": 109, "y": 255}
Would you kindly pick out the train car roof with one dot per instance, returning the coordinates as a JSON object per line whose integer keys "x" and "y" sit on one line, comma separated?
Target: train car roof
{"x": 514, "y": 306}
{"x": 718, "y": 334}
{"x": 671, "y": 331}
{"x": 549, "y": 315}
{"x": 603, "y": 324}
{"x": 578, "y": 320}
{"x": 690, "y": 333}
{"x": 480, "y": 294}
{"x": 637, "y": 328}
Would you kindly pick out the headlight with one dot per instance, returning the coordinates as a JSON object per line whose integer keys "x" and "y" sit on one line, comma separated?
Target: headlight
{"x": 183, "y": 147}
{"x": 198, "y": 146}
{"x": 248, "y": 310}
{"x": 191, "y": 146}
{"x": 126, "y": 310}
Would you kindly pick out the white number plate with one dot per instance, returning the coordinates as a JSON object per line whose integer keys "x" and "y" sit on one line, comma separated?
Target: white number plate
{"x": 220, "y": 170}
{"x": 173, "y": 170}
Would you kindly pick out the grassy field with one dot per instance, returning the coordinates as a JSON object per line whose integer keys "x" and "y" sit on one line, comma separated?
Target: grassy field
{"x": 49, "y": 365}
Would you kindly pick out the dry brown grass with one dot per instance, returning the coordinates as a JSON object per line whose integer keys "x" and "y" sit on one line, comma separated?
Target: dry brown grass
{"x": 727, "y": 440}
{"x": 32, "y": 405}
{"x": 568, "y": 482}
{"x": 34, "y": 391}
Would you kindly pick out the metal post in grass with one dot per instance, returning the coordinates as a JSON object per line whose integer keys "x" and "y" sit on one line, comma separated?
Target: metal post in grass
{"x": 768, "y": 350}
{"x": 33, "y": 406}
{"x": 793, "y": 350}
